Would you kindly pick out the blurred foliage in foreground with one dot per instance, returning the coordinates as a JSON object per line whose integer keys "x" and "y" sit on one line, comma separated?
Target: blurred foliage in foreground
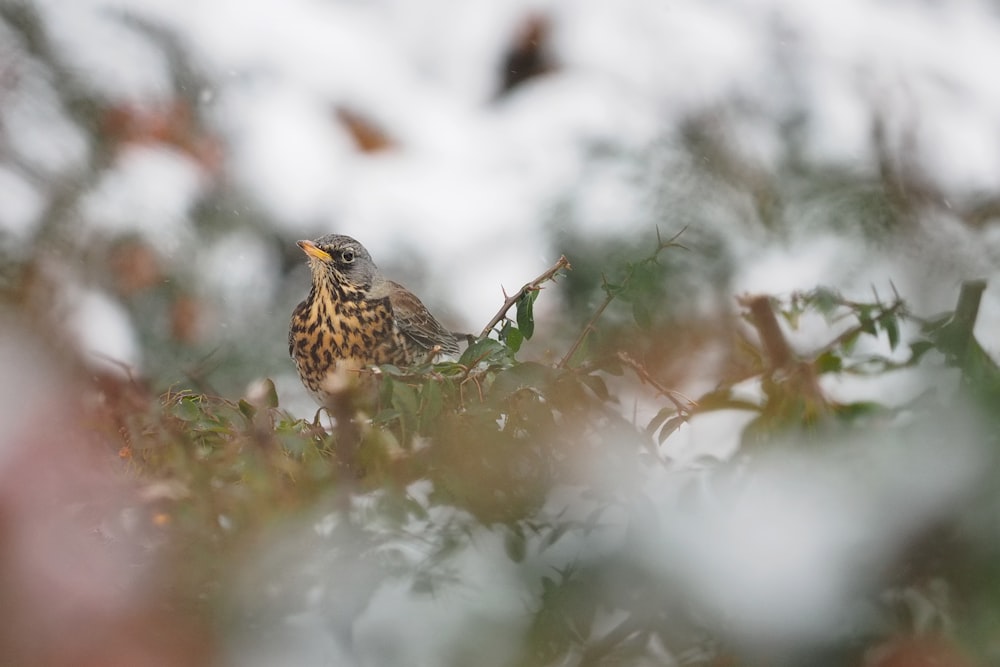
{"x": 538, "y": 465}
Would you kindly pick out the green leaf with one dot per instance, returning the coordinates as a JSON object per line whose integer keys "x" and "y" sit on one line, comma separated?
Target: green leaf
{"x": 188, "y": 408}
{"x": 891, "y": 327}
{"x": 828, "y": 362}
{"x": 670, "y": 426}
{"x": 404, "y": 398}
{"x": 659, "y": 418}
{"x": 247, "y": 409}
{"x": 859, "y": 409}
{"x": 553, "y": 536}
{"x": 825, "y": 300}
{"x": 386, "y": 416}
{"x": 848, "y": 343}
{"x": 484, "y": 349}
{"x": 642, "y": 313}
{"x": 866, "y": 322}
{"x": 270, "y": 394}
{"x": 511, "y": 336}
{"x": 526, "y": 314}
{"x": 528, "y": 374}
{"x": 597, "y": 385}
{"x": 430, "y": 403}
{"x": 515, "y": 545}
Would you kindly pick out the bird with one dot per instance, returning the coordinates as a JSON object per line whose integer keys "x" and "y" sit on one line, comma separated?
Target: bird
{"x": 355, "y": 318}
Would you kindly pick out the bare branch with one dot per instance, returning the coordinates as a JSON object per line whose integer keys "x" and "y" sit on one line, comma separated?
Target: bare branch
{"x": 534, "y": 285}
{"x": 646, "y": 378}
{"x": 778, "y": 351}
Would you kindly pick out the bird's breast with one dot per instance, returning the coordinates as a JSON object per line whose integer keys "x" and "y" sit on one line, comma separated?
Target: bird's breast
{"x": 330, "y": 337}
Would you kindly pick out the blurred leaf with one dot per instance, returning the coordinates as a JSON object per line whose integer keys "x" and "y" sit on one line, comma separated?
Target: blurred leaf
{"x": 404, "y": 398}
{"x": 859, "y": 409}
{"x": 642, "y": 313}
{"x": 524, "y": 375}
{"x": 597, "y": 385}
{"x": 187, "y": 408}
{"x": 825, "y": 300}
{"x": 659, "y": 418}
{"x": 515, "y": 544}
{"x": 248, "y": 410}
{"x": 270, "y": 394}
{"x": 670, "y": 426}
{"x": 865, "y": 321}
{"x": 828, "y": 362}
{"x": 891, "y": 327}
{"x": 431, "y": 404}
{"x": 722, "y": 399}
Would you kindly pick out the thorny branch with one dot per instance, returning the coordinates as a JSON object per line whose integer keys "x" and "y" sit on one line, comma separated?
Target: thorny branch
{"x": 535, "y": 284}
{"x": 646, "y": 378}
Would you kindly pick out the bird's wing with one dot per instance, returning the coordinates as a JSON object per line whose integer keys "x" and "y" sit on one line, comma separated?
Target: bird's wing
{"x": 417, "y": 323}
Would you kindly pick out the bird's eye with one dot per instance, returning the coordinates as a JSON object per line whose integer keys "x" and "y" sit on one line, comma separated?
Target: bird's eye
{"x": 347, "y": 256}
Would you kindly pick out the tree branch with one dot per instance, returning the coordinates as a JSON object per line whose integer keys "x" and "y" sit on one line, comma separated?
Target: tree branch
{"x": 535, "y": 284}
{"x": 778, "y": 352}
{"x": 646, "y": 378}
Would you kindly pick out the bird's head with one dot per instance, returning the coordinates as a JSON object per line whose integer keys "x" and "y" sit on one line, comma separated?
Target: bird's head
{"x": 340, "y": 260}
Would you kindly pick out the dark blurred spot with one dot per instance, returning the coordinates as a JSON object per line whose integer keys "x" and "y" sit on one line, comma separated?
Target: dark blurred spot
{"x": 528, "y": 56}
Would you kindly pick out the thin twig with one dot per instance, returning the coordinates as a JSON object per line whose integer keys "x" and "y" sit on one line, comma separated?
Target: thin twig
{"x": 534, "y": 285}
{"x": 896, "y": 307}
{"x": 646, "y": 378}
{"x": 610, "y": 294}
{"x": 609, "y": 297}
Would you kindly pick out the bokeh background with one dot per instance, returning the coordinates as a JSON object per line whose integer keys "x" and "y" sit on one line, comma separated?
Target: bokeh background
{"x": 158, "y": 160}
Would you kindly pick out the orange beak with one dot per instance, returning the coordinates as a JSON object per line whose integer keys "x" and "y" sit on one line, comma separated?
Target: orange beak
{"x": 310, "y": 248}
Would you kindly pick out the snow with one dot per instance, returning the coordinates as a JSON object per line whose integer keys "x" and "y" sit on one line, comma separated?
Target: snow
{"x": 470, "y": 182}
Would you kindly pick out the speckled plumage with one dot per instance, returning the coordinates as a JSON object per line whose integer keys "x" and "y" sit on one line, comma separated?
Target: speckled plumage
{"x": 354, "y": 318}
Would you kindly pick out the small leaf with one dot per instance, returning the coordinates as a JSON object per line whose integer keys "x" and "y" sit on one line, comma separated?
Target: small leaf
{"x": 526, "y": 314}
{"x": 891, "y": 327}
{"x": 247, "y": 409}
{"x": 554, "y": 535}
{"x": 659, "y": 418}
{"x": 850, "y": 341}
{"x": 642, "y": 313}
{"x": 187, "y": 409}
{"x": 792, "y": 317}
{"x": 511, "y": 336}
{"x": 430, "y": 402}
{"x": 270, "y": 393}
{"x": 404, "y": 398}
{"x": 596, "y": 384}
{"x": 866, "y": 322}
{"x": 515, "y": 545}
{"x": 386, "y": 416}
{"x": 825, "y": 300}
{"x": 849, "y": 411}
{"x": 481, "y": 350}
{"x": 670, "y": 426}
{"x": 828, "y": 362}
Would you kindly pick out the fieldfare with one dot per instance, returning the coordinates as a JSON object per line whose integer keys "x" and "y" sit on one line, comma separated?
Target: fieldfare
{"x": 354, "y": 318}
